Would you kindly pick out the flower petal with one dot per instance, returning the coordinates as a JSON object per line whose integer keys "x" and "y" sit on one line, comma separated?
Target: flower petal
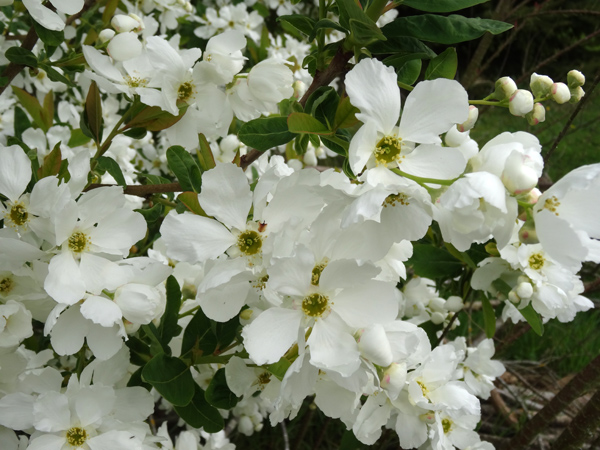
{"x": 15, "y": 171}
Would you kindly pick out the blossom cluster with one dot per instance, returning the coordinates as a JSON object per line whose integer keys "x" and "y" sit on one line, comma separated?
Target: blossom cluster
{"x": 113, "y": 307}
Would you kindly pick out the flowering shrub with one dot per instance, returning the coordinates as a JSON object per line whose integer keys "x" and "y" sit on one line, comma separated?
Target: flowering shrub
{"x": 209, "y": 216}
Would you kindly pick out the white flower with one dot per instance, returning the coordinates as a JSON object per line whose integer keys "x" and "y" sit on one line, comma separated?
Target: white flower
{"x": 50, "y": 19}
{"x": 431, "y": 109}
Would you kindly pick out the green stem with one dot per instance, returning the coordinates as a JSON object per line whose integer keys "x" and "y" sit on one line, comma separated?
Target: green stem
{"x": 164, "y": 201}
{"x": 210, "y": 359}
{"x": 487, "y": 102}
{"x": 422, "y": 180}
{"x": 190, "y": 312}
{"x": 402, "y": 85}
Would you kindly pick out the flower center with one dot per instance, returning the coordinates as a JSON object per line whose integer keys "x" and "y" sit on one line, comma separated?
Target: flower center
{"x": 446, "y": 425}
{"x": 423, "y": 388}
{"x": 18, "y": 214}
{"x": 79, "y": 242}
{"x": 6, "y": 285}
{"x": 536, "y": 261}
{"x": 388, "y": 150}
{"x": 551, "y": 204}
{"x": 316, "y": 273}
{"x": 135, "y": 82}
{"x": 392, "y": 199}
{"x": 249, "y": 242}
{"x": 76, "y": 436}
{"x": 314, "y": 305}
{"x": 264, "y": 379}
{"x": 186, "y": 91}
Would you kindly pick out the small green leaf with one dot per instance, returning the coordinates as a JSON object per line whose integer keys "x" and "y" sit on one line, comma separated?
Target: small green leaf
{"x": 198, "y": 337}
{"x": 345, "y": 115}
{"x": 300, "y": 22}
{"x": 218, "y": 393}
{"x": 322, "y": 105}
{"x": 205, "y": 155}
{"x": 107, "y": 164}
{"x": 489, "y": 317}
{"x": 21, "y": 122}
{"x": 447, "y": 30}
{"x": 136, "y": 133}
{"x": 443, "y": 66}
{"x": 410, "y": 71}
{"x": 171, "y": 377}
{"x": 51, "y": 164}
{"x": 48, "y": 109}
{"x": 55, "y": 75}
{"x": 154, "y": 119}
{"x": 306, "y": 124}
{"x": 31, "y": 105}
{"x": 200, "y": 414}
{"x": 502, "y": 286}
{"x": 533, "y": 319}
{"x": 402, "y": 45}
{"x": 93, "y": 113}
{"x": 49, "y": 37}
{"x": 151, "y": 214}
{"x": 434, "y": 262}
{"x": 181, "y": 163}
{"x": 279, "y": 368}
{"x": 78, "y": 138}
{"x": 364, "y": 33}
{"x": 441, "y": 6}
{"x": 168, "y": 327}
{"x": 336, "y": 143}
{"x": 226, "y": 331}
{"x": 325, "y": 24}
{"x": 190, "y": 201}
{"x": 265, "y": 133}
{"x": 21, "y": 56}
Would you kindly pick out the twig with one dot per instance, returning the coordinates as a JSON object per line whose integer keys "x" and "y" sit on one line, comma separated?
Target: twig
{"x": 565, "y": 129}
{"x": 286, "y": 439}
{"x": 12, "y": 70}
{"x": 582, "y": 428}
{"x": 142, "y": 190}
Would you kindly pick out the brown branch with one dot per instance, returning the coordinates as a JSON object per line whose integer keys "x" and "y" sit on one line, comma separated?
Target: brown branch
{"x": 334, "y": 69}
{"x": 12, "y": 70}
{"x": 582, "y": 428}
{"x": 584, "y": 381}
{"x": 142, "y": 190}
{"x": 565, "y": 129}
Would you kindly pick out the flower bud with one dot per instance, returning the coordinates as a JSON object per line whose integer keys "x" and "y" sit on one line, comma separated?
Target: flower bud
{"x": 537, "y": 114}
{"x": 470, "y": 122}
{"x": 455, "y": 138}
{"x": 505, "y": 88}
{"x": 437, "y": 318}
{"x": 520, "y": 103}
{"x": 527, "y": 234}
{"x": 540, "y": 85}
{"x": 575, "y": 79}
{"x": 373, "y": 345}
{"x": 124, "y": 46}
{"x": 518, "y": 175}
{"x": 576, "y": 94}
{"x": 106, "y": 35}
{"x": 513, "y": 297}
{"x": 454, "y": 303}
{"x": 123, "y": 23}
{"x": 309, "y": 158}
{"x": 394, "y": 379}
{"x": 525, "y": 290}
{"x": 437, "y": 304}
{"x": 560, "y": 93}
{"x": 141, "y": 26}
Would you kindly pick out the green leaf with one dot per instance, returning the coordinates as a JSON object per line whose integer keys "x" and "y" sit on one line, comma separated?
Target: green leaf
{"x": 155, "y": 119}
{"x": 151, "y": 214}
{"x": 182, "y": 164}
{"x": 533, "y": 319}
{"x": 410, "y": 71}
{"x": 218, "y": 393}
{"x": 21, "y": 122}
{"x": 136, "y": 380}
{"x": 200, "y": 414}
{"x": 363, "y": 30}
{"x": 349, "y": 442}
{"x": 489, "y": 317}
{"x": 304, "y": 123}
{"x": 93, "y": 113}
{"x": 21, "y": 56}
{"x": 107, "y": 164}
{"x": 402, "y": 45}
{"x": 51, "y": 164}
{"x": 434, "y": 262}
{"x": 136, "y": 133}
{"x": 443, "y": 66}
{"x": 49, "y": 37}
{"x": 441, "y": 6}
{"x": 300, "y": 22}
{"x": 345, "y": 115}
{"x": 301, "y": 144}
{"x": 55, "y": 75}
{"x": 205, "y": 155}
{"x": 150, "y": 332}
{"x": 326, "y": 24}
{"x": 322, "y": 105}
{"x": 447, "y": 30}
{"x": 226, "y": 331}
{"x": 48, "y": 109}
{"x": 32, "y": 106}
{"x": 78, "y": 138}
{"x": 265, "y": 133}
{"x": 190, "y": 201}
{"x": 198, "y": 337}
{"x": 502, "y": 286}
{"x": 336, "y": 143}
{"x": 279, "y": 368}
{"x": 171, "y": 377}
{"x": 139, "y": 351}
{"x": 168, "y": 327}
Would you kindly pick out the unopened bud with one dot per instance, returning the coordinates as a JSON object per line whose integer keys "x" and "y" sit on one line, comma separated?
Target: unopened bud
{"x": 518, "y": 175}
{"x": 246, "y": 314}
{"x": 537, "y": 114}
{"x": 428, "y": 417}
{"x": 525, "y": 290}
{"x": 560, "y": 93}
{"x": 455, "y": 138}
{"x": 454, "y": 303}
{"x": 124, "y": 46}
{"x": 575, "y": 79}
{"x": 520, "y": 103}
{"x": 527, "y": 234}
{"x": 394, "y": 379}
{"x": 309, "y": 158}
{"x": 576, "y": 94}
{"x": 470, "y": 122}
{"x": 437, "y": 304}
{"x": 540, "y": 85}
{"x": 492, "y": 249}
{"x": 505, "y": 88}
{"x": 141, "y": 26}
{"x": 374, "y": 345}
{"x": 437, "y": 318}
{"x": 106, "y": 35}
{"x": 123, "y": 23}
{"x": 513, "y": 297}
